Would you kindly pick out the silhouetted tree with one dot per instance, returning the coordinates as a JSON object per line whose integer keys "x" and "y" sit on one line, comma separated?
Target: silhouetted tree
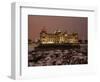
{"x": 80, "y": 41}
{"x": 86, "y": 41}
{"x": 29, "y": 41}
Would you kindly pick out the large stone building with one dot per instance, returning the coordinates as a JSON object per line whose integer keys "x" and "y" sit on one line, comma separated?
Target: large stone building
{"x": 57, "y": 37}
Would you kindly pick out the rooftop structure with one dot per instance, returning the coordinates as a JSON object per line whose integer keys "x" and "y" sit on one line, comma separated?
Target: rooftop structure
{"x": 58, "y": 37}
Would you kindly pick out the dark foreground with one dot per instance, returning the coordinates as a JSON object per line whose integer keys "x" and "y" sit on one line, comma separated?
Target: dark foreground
{"x": 57, "y": 56}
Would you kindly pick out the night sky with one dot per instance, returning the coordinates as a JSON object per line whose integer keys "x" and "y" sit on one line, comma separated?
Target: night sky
{"x": 52, "y": 23}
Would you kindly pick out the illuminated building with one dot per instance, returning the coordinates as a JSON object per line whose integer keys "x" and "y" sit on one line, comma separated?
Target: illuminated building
{"x": 57, "y": 37}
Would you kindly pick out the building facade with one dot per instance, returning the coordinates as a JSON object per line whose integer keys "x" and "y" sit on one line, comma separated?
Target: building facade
{"x": 57, "y": 37}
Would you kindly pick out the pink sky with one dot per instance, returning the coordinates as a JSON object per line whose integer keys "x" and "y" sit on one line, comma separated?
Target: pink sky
{"x": 52, "y": 23}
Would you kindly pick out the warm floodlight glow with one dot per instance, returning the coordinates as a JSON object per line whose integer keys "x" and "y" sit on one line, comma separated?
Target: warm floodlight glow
{"x": 58, "y": 37}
